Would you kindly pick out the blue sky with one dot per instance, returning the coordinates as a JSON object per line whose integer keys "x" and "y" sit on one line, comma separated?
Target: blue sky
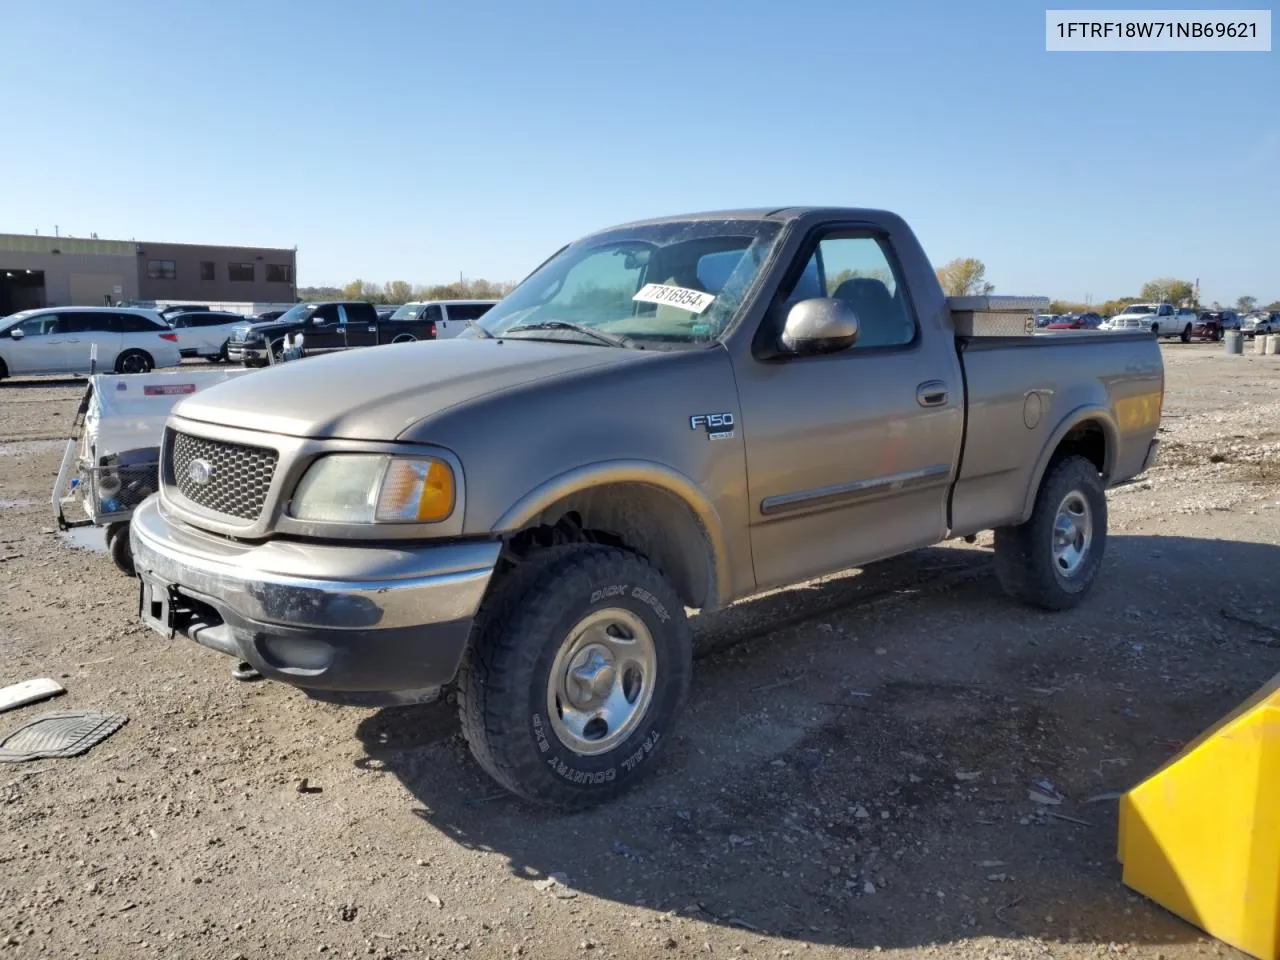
{"x": 416, "y": 140}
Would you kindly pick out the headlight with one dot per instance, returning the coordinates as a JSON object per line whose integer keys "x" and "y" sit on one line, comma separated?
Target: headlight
{"x": 374, "y": 488}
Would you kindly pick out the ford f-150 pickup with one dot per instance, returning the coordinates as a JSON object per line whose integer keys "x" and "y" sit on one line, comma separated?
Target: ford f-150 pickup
{"x": 665, "y": 415}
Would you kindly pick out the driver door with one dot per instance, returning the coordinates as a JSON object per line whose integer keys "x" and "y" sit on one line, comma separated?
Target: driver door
{"x": 41, "y": 349}
{"x": 323, "y": 332}
{"x": 850, "y": 455}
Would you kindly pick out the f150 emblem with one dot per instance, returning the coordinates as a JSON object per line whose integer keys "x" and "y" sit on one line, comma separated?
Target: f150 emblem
{"x": 199, "y": 472}
{"x": 719, "y": 426}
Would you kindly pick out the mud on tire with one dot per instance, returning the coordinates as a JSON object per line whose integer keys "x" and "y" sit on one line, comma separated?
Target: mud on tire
{"x": 1027, "y": 557}
{"x": 522, "y": 638}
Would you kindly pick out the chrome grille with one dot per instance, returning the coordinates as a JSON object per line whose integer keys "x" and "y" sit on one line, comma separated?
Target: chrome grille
{"x": 238, "y": 475}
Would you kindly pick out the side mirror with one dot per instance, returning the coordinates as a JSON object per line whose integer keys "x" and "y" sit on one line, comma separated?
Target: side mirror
{"x": 319, "y": 322}
{"x": 17, "y": 333}
{"x": 820, "y": 325}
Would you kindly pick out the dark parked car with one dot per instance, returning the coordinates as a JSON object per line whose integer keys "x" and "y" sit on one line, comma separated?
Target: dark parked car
{"x": 328, "y": 326}
{"x": 1077, "y": 321}
{"x": 266, "y": 315}
{"x": 1211, "y": 324}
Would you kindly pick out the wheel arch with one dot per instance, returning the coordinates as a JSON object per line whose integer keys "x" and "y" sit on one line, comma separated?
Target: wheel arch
{"x": 1089, "y": 431}
{"x": 647, "y": 506}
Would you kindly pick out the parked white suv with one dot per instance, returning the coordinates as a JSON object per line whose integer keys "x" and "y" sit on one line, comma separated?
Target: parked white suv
{"x": 1162, "y": 319}
{"x": 59, "y": 340}
{"x": 204, "y": 333}
{"x": 450, "y": 317}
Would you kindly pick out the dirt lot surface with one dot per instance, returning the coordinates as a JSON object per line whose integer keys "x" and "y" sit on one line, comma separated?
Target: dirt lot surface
{"x": 851, "y": 775}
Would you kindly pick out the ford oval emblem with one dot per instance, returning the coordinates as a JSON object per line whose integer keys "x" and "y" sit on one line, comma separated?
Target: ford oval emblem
{"x": 199, "y": 472}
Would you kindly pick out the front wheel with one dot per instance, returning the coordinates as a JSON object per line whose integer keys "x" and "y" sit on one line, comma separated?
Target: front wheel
{"x": 1186, "y": 334}
{"x": 1216, "y": 335}
{"x": 119, "y": 549}
{"x": 1051, "y": 560}
{"x": 580, "y": 663}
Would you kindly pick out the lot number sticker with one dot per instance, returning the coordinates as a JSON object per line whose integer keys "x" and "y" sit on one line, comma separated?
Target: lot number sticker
{"x": 695, "y": 301}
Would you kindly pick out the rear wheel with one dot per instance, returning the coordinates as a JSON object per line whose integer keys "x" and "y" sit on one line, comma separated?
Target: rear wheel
{"x": 1051, "y": 560}
{"x": 405, "y": 338}
{"x": 4, "y": 371}
{"x": 581, "y": 660}
{"x": 135, "y": 361}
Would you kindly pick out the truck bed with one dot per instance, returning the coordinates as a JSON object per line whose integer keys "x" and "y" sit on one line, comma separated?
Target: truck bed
{"x": 1017, "y": 411}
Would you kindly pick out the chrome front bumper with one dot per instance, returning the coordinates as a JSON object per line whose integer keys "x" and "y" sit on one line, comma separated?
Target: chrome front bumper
{"x": 348, "y": 623}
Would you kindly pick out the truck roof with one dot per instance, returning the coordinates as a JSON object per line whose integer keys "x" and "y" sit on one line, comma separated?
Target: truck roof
{"x": 781, "y": 214}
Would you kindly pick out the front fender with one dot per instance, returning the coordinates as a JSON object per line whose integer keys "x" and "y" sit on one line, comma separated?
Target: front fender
{"x": 612, "y": 472}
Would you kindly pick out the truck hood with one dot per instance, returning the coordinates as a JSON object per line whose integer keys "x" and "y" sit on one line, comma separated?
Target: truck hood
{"x": 375, "y": 393}
{"x": 252, "y": 331}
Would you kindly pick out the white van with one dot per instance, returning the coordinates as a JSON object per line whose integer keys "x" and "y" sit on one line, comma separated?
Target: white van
{"x": 450, "y": 317}
{"x": 61, "y": 339}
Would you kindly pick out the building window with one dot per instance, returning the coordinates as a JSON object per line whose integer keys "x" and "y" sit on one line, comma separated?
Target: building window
{"x": 241, "y": 272}
{"x": 206, "y": 270}
{"x": 279, "y": 273}
{"x": 162, "y": 269}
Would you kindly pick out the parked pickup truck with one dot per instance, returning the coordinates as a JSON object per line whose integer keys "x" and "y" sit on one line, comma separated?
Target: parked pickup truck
{"x": 326, "y": 327}
{"x": 1162, "y": 319}
{"x": 671, "y": 414}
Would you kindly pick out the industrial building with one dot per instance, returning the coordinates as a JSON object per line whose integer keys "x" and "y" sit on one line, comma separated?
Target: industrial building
{"x": 42, "y": 271}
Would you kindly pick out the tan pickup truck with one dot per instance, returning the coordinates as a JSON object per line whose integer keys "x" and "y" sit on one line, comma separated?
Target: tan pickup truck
{"x": 665, "y": 415}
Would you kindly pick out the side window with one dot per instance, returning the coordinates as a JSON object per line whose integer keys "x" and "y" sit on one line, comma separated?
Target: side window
{"x": 342, "y": 315}
{"x": 132, "y": 323}
{"x": 857, "y": 269}
{"x": 432, "y": 314}
{"x": 88, "y": 322}
{"x": 467, "y": 312}
{"x": 361, "y": 313}
{"x": 1166, "y": 310}
{"x": 37, "y": 326}
{"x": 326, "y": 313}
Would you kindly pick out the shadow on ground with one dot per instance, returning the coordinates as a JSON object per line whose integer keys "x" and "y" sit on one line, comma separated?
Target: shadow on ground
{"x": 897, "y": 814}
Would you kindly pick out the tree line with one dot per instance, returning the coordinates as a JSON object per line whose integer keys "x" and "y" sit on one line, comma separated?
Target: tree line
{"x": 400, "y": 291}
{"x": 967, "y": 277}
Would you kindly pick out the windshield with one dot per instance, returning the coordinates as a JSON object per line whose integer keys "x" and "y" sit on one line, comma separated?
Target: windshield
{"x": 296, "y": 313}
{"x": 675, "y": 282}
{"x": 410, "y": 311}
{"x": 11, "y": 319}
{"x": 1138, "y": 308}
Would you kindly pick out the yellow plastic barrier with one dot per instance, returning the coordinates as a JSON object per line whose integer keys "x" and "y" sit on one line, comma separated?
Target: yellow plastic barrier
{"x": 1201, "y": 836}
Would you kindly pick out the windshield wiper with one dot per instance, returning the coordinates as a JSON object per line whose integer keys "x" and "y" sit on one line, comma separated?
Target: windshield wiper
{"x": 609, "y": 339}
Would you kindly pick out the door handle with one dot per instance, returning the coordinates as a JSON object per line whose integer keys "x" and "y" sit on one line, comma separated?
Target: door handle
{"x": 373, "y": 328}
{"x": 932, "y": 393}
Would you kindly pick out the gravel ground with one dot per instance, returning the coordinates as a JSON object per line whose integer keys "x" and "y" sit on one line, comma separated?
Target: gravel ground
{"x": 850, "y": 777}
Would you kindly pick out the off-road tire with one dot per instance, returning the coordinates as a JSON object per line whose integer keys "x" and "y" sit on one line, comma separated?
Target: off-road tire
{"x": 1024, "y": 558}
{"x": 129, "y": 356}
{"x": 503, "y": 682}
{"x": 119, "y": 549}
{"x": 1186, "y": 334}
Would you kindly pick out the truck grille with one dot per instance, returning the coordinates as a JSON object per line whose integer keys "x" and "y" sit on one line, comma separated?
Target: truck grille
{"x": 237, "y": 477}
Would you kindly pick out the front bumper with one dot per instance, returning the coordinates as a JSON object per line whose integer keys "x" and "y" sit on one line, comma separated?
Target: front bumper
{"x": 246, "y": 353}
{"x": 386, "y": 624}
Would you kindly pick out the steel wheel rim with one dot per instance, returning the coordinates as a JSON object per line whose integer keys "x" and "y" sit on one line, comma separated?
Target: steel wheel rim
{"x": 1072, "y": 533}
{"x": 602, "y": 681}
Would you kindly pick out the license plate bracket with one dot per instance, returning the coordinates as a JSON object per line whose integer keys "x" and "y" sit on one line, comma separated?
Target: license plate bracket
{"x": 156, "y": 604}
